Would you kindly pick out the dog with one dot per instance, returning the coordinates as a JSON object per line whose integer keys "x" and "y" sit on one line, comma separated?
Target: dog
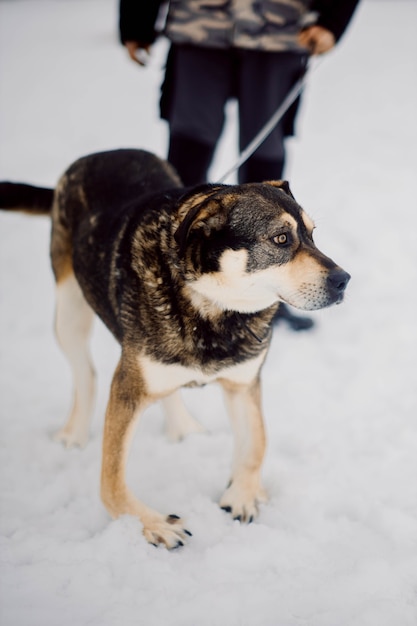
{"x": 188, "y": 281}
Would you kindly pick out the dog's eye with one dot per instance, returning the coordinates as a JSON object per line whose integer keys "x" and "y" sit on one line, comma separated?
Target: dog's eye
{"x": 281, "y": 240}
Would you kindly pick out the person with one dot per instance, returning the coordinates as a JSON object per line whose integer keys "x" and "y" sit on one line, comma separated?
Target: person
{"x": 251, "y": 50}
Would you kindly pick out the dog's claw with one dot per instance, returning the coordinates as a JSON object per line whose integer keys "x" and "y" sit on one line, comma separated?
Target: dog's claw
{"x": 70, "y": 439}
{"x": 166, "y": 531}
{"x": 243, "y": 505}
{"x": 243, "y": 518}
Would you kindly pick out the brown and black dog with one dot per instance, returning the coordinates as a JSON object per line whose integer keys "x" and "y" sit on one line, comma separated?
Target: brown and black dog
{"x": 188, "y": 281}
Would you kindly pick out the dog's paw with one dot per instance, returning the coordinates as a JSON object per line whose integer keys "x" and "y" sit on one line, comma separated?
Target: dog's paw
{"x": 70, "y": 438}
{"x": 179, "y": 427}
{"x": 167, "y": 531}
{"x": 243, "y": 502}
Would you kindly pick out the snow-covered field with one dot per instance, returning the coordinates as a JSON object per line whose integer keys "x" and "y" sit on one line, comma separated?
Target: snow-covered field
{"x": 337, "y": 543}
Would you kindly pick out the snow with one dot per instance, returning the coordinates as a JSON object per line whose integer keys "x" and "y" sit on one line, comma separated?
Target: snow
{"x": 337, "y": 543}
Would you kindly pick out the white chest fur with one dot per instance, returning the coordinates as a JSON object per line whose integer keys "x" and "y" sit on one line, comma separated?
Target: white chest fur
{"x": 162, "y": 379}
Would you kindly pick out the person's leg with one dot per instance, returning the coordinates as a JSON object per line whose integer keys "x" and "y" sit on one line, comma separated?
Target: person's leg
{"x": 258, "y": 169}
{"x": 264, "y": 79}
{"x": 197, "y": 87}
{"x": 191, "y": 158}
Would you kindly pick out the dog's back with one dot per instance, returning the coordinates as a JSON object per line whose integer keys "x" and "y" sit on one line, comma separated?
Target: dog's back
{"x": 107, "y": 181}
{"x": 99, "y": 201}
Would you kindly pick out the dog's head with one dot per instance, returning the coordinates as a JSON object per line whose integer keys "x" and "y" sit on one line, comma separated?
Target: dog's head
{"x": 245, "y": 247}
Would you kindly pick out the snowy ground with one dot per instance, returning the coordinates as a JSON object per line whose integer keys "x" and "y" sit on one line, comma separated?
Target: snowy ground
{"x": 337, "y": 544}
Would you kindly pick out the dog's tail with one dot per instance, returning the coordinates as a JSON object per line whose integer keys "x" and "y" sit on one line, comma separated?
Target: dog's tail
{"x": 26, "y": 198}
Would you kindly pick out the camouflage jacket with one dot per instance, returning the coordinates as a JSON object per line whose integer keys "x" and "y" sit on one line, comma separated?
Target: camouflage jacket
{"x": 270, "y": 25}
{"x": 261, "y": 25}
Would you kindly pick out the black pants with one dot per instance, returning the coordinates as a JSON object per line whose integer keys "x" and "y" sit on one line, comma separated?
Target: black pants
{"x": 199, "y": 82}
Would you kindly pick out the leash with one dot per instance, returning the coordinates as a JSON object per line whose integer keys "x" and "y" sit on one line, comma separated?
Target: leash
{"x": 266, "y": 130}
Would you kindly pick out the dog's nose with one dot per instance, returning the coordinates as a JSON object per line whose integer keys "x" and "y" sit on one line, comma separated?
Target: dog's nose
{"x": 338, "y": 280}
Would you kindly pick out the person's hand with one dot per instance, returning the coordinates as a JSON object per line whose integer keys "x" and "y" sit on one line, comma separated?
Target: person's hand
{"x": 138, "y": 51}
{"x": 316, "y": 39}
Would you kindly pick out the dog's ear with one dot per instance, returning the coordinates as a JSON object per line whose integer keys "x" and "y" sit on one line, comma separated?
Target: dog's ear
{"x": 281, "y": 184}
{"x": 202, "y": 208}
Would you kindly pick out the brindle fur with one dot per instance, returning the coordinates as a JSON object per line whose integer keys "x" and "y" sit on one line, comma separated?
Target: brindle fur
{"x": 188, "y": 282}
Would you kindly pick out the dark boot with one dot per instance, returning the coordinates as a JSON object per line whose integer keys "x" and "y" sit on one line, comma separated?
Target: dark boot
{"x": 191, "y": 159}
{"x": 295, "y": 322}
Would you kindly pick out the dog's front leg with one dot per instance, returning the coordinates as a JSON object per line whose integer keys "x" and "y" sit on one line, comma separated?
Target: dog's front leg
{"x": 128, "y": 399}
{"x": 244, "y": 493}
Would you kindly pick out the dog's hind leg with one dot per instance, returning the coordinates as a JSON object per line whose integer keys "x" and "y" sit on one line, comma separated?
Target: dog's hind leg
{"x": 128, "y": 398}
{"x": 72, "y": 326}
{"x": 178, "y": 421}
{"x": 244, "y": 493}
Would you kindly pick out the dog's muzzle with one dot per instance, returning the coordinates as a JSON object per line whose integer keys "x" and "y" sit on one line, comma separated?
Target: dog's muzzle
{"x": 337, "y": 281}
